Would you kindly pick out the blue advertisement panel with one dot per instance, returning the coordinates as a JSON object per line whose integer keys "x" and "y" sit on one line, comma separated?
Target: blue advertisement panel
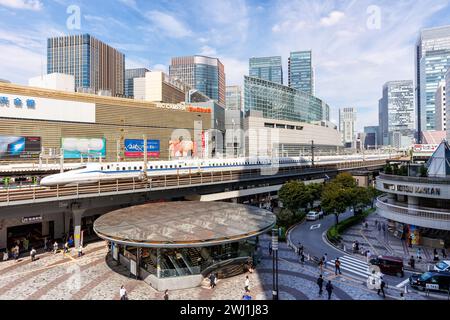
{"x": 19, "y": 147}
{"x": 134, "y": 148}
{"x": 74, "y": 148}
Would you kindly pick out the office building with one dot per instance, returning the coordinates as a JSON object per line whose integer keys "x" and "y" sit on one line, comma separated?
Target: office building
{"x": 267, "y": 68}
{"x": 157, "y": 86}
{"x": 447, "y": 93}
{"x": 441, "y": 117}
{"x": 234, "y": 98}
{"x": 280, "y": 102}
{"x": 95, "y": 65}
{"x": 371, "y": 137}
{"x": 301, "y": 72}
{"x": 347, "y": 126}
{"x": 396, "y": 110}
{"x": 201, "y": 73}
{"x": 432, "y": 61}
{"x": 130, "y": 75}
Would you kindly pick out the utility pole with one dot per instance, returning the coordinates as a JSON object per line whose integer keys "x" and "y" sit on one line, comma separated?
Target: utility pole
{"x": 312, "y": 152}
{"x": 145, "y": 158}
{"x": 275, "y": 264}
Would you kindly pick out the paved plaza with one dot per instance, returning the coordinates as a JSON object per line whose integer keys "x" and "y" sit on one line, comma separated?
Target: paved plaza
{"x": 95, "y": 277}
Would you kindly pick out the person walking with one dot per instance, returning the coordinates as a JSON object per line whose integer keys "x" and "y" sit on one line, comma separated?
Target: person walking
{"x": 212, "y": 281}
{"x": 80, "y": 251}
{"x": 320, "y": 284}
{"x": 270, "y": 249}
{"x": 16, "y": 252}
{"x": 444, "y": 253}
{"x": 321, "y": 266}
{"x": 419, "y": 254}
{"x": 435, "y": 255}
{"x": 123, "y": 293}
{"x": 247, "y": 284}
{"x": 66, "y": 247}
{"x": 166, "y": 295}
{"x": 410, "y": 240}
{"x": 6, "y": 255}
{"x": 33, "y": 254}
{"x": 381, "y": 289}
{"x": 412, "y": 262}
{"x": 337, "y": 266}
{"x": 302, "y": 259}
{"x": 325, "y": 259}
{"x": 55, "y": 247}
{"x": 329, "y": 287}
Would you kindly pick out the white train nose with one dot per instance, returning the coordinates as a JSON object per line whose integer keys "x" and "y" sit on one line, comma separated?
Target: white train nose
{"x": 49, "y": 181}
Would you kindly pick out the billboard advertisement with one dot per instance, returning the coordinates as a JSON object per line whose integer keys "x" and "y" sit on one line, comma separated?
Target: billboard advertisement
{"x": 181, "y": 148}
{"x": 75, "y": 148}
{"x": 134, "y": 148}
{"x": 19, "y": 147}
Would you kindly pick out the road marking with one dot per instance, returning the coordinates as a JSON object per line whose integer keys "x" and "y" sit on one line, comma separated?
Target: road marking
{"x": 402, "y": 284}
{"x": 316, "y": 226}
{"x": 370, "y": 244}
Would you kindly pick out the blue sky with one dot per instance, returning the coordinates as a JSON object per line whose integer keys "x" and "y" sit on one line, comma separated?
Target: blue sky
{"x": 357, "y": 45}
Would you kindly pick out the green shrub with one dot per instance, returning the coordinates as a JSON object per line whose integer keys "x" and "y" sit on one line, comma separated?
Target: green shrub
{"x": 334, "y": 233}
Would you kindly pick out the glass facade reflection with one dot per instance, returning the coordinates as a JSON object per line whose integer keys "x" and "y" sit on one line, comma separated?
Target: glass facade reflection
{"x": 267, "y": 68}
{"x": 301, "y": 76}
{"x": 283, "y": 103}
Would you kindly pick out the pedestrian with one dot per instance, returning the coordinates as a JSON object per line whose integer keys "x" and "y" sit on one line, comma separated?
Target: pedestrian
{"x": 320, "y": 284}
{"x": 246, "y": 296}
{"x": 212, "y": 281}
{"x": 337, "y": 266}
{"x": 80, "y": 250}
{"x": 45, "y": 244}
{"x": 33, "y": 254}
{"x": 419, "y": 254}
{"x": 376, "y": 223}
{"x": 381, "y": 289}
{"x": 270, "y": 249}
{"x": 123, "y": 293}
{"x": 302, "y": 259}
{"x": 412, "y": 262}
{"x": 354, "y": 247}
{"x": 329, "y": 287}
{"x": 55, "y": 247}
{"x": 66, "y": 247}
{"x": 166, "y": 295}
{"x": 436, "y": 255}
{"x": 325, "y": 259}
{"x": 247, "y": 284}
{"x": 402, "y": 296}
{"x": 379, "y": 228}
{"x": 384, "y": 227}
{"x": 16, "y": 252}
{"x": 357, "y": 245}
{"x": 320, "y": 264}
{"x": 444, "y": 254}
{"x": 26, "y": 243}
{"x": 411, "y": 237}
{"x": 6, "y": 255}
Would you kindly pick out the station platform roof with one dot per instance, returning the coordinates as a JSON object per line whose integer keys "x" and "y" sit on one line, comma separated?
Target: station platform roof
{"x": 183, "y": 224}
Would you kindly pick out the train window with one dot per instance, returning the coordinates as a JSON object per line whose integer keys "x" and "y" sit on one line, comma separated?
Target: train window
{"x": 180, "y": 166}
{"x": 108, "y": 167}
{"x": 135, "y": 168}
{"x": 151, "y": 167}
{"x": 123, "y": 168}
{"x": 101, "y": 168}
{"x": 117, "y": 169}
{"x": 140, "y": 168}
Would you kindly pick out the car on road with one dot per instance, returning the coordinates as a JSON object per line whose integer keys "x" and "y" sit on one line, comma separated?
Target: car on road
{"x": 442, "y": 266}
{"x": 314, "y": 215}
{"x": 389, "y": 265}
{"x": 431, "y": 280}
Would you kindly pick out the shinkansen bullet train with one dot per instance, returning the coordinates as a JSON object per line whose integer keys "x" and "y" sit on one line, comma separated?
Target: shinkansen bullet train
{"x": 95, "y": 172}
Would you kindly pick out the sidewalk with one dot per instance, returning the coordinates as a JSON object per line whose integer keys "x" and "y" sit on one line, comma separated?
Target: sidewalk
{"x": 385, "y": 243}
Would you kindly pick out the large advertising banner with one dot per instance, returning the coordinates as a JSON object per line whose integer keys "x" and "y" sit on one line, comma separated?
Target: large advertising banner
{"x": 74, "y": 148}
{"x": 181, "y": 148}
{"x": 19, "y": 147}
{"x": 134, "y": 148}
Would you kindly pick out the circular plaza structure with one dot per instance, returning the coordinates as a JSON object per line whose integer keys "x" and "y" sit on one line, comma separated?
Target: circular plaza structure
{"x": 175, "y": 245}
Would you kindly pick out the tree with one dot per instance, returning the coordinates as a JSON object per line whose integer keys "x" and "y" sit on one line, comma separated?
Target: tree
{"x": 373, "y": 193}
{"x": 335, "y": 199}
{"x": 315, "y": 192}
{"x": 388, "y": 169}
{"x": 294, "y": 195}
{"x": 346, "y": 180}
{"x": 359, "y": 198}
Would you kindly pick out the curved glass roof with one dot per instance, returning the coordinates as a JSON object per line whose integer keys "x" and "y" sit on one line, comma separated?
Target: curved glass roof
{"x": 183, "y": 224}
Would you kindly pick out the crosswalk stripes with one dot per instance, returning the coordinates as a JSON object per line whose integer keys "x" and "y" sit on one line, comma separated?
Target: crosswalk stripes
{"x": 352, "y": 265}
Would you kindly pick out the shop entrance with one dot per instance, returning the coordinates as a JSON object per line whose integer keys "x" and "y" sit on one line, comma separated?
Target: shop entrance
{"x": 26, "y": 236}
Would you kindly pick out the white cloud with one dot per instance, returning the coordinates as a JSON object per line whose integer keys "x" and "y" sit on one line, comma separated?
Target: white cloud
{"x": 235, "y": 69}
{"x": 160, "y": 67}
{"x": 19, "y": 64}
{"x": 34, "y": 5}
{"x": 168, "y": 24}
{"x": 333, "y": 18}
{"x": 129, "y": 3}
{"x": 208, "y": 51}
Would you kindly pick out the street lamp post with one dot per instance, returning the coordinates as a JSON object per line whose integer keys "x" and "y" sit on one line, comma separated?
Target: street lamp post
{"x": 275, "y": 264}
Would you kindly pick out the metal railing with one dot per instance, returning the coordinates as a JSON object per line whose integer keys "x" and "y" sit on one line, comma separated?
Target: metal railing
{"x": 425, "y": 180}
{"x": 9, "y": 196}
{"x": 382, "y": 203}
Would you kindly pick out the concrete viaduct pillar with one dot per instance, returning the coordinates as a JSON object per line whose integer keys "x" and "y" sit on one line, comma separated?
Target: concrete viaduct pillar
{"x": 77, "y": 215}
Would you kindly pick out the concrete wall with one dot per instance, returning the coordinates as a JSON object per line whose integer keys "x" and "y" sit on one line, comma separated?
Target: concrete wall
{"x": 176, "y": 283}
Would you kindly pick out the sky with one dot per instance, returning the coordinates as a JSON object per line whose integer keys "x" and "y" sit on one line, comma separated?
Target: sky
{"x": 357, "y": 45}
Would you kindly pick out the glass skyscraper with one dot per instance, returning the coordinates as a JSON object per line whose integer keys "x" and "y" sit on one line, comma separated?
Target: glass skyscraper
{"x": 266, "y": 68}
{"x": 95, "y": 65}
{"x": 397, "y": 110}
{"x": 280, "y": 102}
{"x": 204, "y": 74}
{"x": 130, "y": 75}
{"x": 432, "y": 61}
{"x": 301, "y": 73}
{"x": 234, "y": 98}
